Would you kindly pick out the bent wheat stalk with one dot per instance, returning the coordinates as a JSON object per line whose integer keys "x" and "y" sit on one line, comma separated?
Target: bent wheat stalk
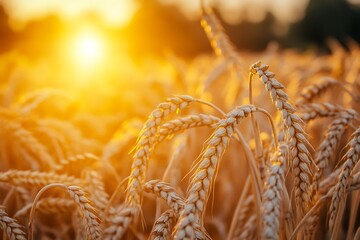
{"x": 88, "y": 213}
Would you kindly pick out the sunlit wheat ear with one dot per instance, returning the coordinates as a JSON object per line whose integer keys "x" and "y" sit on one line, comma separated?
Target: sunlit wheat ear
{"x": 118, "y": 221}
{"x": 76, "y": 163}
{"x": 163, "y": 226}
{"x": 309, "y": 93}
{"x": 217, "y": 36}
{"x": 339, "y": 197}
{"x": 37, "y": 179}
{"x": 328, "y": 146}
{"x": 313, "y": 111}
{"x": 205, "y": 174}
{"x": 249, "y": 231}
{"x": 197, "y": 120}
{"x": 145, "y": 144}
{"x": 96, "y": 189}
{"x": 246, "y": 211}
{"x": 34, "y": 99}
{"x": 10, "y": 227}
{"x": 272, "y": 198}
{"x": 300, "y": 157}
{"x": 87, "y": 212}
{"x": 30, "y": 144}
{"x": 176, "y": 203}
{"x": 142, "y": 154}
{"x": 167, "y": 193}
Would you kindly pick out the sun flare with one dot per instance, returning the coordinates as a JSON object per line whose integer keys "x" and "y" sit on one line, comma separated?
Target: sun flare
{"x": 88, "y": 48}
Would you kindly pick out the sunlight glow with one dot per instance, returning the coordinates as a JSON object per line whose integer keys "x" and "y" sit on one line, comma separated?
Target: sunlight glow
{"x": 89, "y": 49}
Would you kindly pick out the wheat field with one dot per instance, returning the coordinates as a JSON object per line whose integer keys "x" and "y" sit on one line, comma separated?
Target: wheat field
{"x": 233, "y": 145}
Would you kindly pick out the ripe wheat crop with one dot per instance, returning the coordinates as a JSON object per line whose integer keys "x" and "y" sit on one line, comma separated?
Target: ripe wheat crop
{"x": 241, "y": 146}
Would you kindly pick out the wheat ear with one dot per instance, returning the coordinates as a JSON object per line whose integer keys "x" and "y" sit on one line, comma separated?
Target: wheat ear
{"x": 205, "y": 174}
{"x": 217, "y": 36}
{"x": 76, "y": 162}
{"x": 309, "y": 93}
{"x": 37, "y": 179}
{"x": 10, "y": 227}
{"x": 312, "y": 111}
{"x": 300, "y": 156}
{"x": 163, "y": 226}
{"x": 338, "y": 198}
{"x": 273, "y": 191}
{"x": 191, "y": 121}
{"x": 332, "y": 137}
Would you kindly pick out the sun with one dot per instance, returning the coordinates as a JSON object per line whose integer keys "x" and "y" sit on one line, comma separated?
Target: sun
{"x": 88, "y": 49}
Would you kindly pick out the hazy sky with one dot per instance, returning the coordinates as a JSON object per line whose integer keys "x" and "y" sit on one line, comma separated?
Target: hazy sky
{"x": 118, "y": 12}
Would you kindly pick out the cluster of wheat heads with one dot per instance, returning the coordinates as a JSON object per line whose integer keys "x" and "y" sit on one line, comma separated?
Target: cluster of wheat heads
{"x": 244, "y": 155}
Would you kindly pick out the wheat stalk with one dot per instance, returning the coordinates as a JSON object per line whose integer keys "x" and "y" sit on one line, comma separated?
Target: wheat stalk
{"x": 48, "y": 206}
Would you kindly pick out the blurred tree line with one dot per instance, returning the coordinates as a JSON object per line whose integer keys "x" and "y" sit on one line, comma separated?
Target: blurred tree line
{"x": 156, "y": 28}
